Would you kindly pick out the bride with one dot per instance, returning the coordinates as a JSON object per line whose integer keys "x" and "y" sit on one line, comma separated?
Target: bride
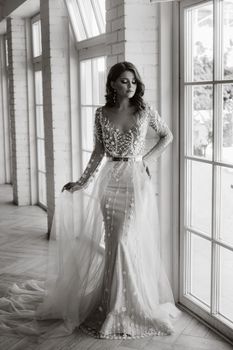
{"x": 105, "y": 274}
{"x": 124, "y": 288}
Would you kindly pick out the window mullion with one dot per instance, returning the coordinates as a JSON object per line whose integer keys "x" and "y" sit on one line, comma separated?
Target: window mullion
{"x": 188, "y": 47}
{"x": 217, "y": 142}
{"x": 218, "y": 40}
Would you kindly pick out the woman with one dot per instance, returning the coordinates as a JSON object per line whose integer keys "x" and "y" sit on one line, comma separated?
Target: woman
{"x": 128, "y": 288}
{"x": 105, "y": 274}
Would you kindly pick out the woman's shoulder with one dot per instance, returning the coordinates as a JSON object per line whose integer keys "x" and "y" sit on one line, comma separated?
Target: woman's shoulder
{"x": 149, "y": 109}
{"x": 99, "y": 109}
{"x": 149, "y": 106}
{"x": 99, "y": 112}
{"x": 103, "y": 110}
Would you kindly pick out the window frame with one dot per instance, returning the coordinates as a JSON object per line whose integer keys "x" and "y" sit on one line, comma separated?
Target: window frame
{"x": 86, "y": 49}
{"x": 81, "y": 105}
{"x": 36, "y": 59}
{"x": 37, "y": 66}
{"x": 6, "y": 120}
{"x": 214, "y": 320}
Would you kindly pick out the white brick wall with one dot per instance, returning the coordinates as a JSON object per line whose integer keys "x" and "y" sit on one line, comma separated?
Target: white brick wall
{"x": 18, "y": 110}
{"x": 55, "y": 68}
{"x": 132, "y": 35}
{"x": 115, "y": 27}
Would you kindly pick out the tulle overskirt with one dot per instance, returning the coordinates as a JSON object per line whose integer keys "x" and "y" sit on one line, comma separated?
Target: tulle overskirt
{"x": 104, "y": 274}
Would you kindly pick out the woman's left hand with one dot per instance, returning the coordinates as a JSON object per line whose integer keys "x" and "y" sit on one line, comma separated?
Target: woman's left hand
{"x": 76, "y": 187}
{"x": 71, "y": 187}
{"x": 147, "y": 169}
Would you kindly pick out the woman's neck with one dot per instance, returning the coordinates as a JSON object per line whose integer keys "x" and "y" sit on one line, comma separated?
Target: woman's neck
{"x": 123, "y": 104}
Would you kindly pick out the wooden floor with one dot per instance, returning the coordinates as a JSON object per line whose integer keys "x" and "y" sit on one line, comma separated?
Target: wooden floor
{"x": 22, "y": 255}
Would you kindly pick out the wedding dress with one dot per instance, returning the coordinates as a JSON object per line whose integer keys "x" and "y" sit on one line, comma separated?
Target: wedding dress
{"x": 105, "y": 274}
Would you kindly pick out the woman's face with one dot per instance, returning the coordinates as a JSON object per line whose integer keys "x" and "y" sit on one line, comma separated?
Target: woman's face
{"x": 125, "y": 85}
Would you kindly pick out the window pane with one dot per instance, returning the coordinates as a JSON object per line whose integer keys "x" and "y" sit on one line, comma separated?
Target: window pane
{"x": 199, "y": 43}
{"x": 202, "y": 121}
{"x": 93, "y": 77}
{"x": 200, "y": 268}
{"x": 76, "y": 20}
{"x": 87, "y": 128}
{"x": 226, "y": 283}
{"x": 39, "y": 122}
{"x": 36, "y": 38}
{"x": 86, "y": 82}
{"x": 38, "y": 87}
{"x": 200, "y": 195}
{"x": 227, "y": 124}
{"x": 92, "y": 84}
{"x": 89, "y": 17}
{"x": 228, "y": 38}
{"x": 225, "y": 203}
{"x": 102, "y": 14}
{"x": 42, "y": 188}
{"x": 41, "y": 155}
{"x": 6, "y": 51}
{"x": 99, "y": 78}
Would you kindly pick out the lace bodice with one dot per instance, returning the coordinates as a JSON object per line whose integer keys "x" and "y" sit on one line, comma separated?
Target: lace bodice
{"x": 128, "y": 143}
{"x": 110, "y": 141}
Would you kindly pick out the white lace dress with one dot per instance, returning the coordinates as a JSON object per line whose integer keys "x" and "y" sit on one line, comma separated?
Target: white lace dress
{"x": 105, "y": 274}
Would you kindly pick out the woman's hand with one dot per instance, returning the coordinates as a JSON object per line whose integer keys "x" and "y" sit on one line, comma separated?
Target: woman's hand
{"x": 147, "y": 168}
{"x": 71, "y": 187}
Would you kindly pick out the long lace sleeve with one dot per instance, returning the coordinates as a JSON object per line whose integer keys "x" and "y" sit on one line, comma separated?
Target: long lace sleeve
{"x": 96, "y": 156}
{"x": 161, "y": 128}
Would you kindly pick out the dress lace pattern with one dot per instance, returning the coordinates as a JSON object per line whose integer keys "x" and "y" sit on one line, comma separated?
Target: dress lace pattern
{"x": 110, "y": 141}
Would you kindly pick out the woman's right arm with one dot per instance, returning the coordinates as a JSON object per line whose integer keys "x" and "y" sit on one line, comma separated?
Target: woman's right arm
{"x": 94, "y": 161}
{"x": 160, "y": 127}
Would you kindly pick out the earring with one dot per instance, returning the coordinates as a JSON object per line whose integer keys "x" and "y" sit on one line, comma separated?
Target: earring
{"x": 114, "y": 96}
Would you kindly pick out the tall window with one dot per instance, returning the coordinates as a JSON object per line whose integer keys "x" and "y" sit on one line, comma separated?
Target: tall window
{"x": 40, "y": 141}
{"x": 92, "y": 86}
{"x": 207, "y": 160}
{"x": 87, "y": 19}
{"x": 5, "y": 116}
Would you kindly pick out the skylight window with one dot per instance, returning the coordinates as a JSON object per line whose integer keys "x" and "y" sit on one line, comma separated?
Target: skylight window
{"x": 87, "y": 17}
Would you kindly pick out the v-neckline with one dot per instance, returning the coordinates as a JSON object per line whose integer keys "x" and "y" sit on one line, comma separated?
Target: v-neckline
{"x": 115, "y": 127}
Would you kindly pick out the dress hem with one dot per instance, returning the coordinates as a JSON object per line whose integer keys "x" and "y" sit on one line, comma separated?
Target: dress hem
{"x": 96, "y": 334}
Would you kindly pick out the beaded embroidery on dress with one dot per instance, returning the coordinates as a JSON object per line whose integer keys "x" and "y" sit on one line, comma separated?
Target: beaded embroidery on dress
{"x": 105, "y": 274}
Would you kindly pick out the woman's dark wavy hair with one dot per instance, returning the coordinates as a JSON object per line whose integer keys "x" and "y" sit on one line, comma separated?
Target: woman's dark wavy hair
{"x": 114, "y": 73}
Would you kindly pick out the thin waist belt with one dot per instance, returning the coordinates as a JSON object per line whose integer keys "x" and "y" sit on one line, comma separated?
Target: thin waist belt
{"x": 125, "y": 159}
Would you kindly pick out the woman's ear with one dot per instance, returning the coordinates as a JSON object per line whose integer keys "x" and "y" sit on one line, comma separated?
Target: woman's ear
{"x": 112, "y": 84}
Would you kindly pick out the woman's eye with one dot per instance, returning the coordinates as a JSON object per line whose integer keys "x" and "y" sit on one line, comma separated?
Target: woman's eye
{"x": 126, "y": 81}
